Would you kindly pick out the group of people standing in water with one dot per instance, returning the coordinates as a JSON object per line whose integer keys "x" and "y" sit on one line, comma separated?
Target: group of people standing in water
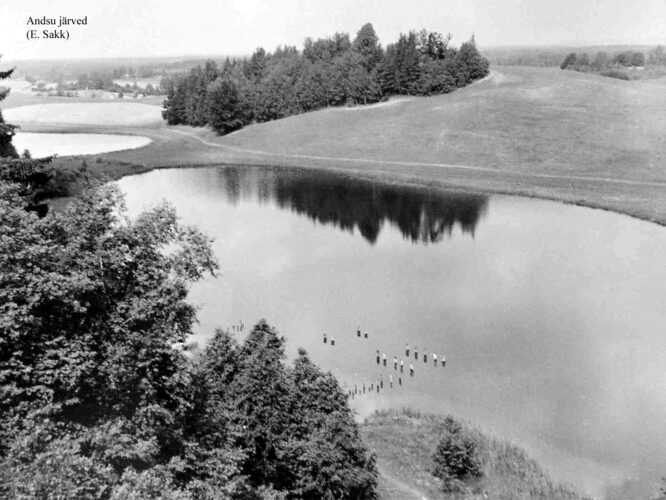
{"x": 398, "y": 366}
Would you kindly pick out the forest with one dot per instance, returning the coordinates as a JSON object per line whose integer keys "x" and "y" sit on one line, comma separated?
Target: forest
{"x": 333, "y": 71}
{"x": 101, "y": 396}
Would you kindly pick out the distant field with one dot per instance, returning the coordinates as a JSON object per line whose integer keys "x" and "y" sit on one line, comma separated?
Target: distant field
{"x": 16, "y": 99}
{"x": 93, "y": 114}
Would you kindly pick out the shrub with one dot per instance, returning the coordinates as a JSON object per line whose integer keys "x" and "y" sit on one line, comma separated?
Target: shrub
{"x": 614, "y": 73}
{"x": 456, "y": 457}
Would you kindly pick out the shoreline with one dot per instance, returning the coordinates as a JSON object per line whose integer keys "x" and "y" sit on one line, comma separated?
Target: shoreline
{"x": 118, "y": 164}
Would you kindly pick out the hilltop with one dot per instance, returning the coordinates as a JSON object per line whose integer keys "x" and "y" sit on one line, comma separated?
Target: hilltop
{"x": 405, "y": 442}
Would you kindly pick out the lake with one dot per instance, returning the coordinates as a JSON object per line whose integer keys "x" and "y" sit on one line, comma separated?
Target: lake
{"x": 551, "y": 317}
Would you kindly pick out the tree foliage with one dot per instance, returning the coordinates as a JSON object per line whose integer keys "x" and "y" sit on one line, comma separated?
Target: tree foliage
{"x": 330, "y": 71}
{"x": 98, "y": 398}
{"x": 456, "y": 456}
{"x": 612, "y": 66}
{"x": 570, "y": 60}
{"x": 293, "y": 425}
{"x": 6, "y": 129}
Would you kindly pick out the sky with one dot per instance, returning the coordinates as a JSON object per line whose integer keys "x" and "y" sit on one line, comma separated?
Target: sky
{"x": 139, "y": 28}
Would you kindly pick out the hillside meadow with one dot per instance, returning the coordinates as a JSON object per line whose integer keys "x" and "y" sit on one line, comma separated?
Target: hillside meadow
{"x": 525, "y": 120}
{"x": 405, "y": 442}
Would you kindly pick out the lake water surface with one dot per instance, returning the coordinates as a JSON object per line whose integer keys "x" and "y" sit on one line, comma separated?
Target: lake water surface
{"x": 552, "y": 318}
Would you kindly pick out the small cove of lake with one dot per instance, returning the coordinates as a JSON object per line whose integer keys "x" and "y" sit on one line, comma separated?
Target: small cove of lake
{"x": 551, "y": 317}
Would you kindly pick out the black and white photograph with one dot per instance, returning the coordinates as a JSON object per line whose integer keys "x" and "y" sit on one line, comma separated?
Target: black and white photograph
{"x": 358, "y": 249}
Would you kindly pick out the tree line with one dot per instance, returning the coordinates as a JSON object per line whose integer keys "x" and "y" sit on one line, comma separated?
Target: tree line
{"x": 6, "y": 130}
{"x": 331, "y": 71}
{"x": 101, "y": 397}
{"x": 105, "y": 81}
{"x": 602, "y": 61}
{"x": 614, "y": 65}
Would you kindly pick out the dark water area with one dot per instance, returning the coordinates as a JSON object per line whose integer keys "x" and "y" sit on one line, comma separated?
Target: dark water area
{"x": 350, "y": 204}
{"x": 552, "y": 318}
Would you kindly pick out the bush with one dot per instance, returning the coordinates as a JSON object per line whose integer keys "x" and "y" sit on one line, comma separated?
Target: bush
{"x": 456, "y": 457}
{"x": 614, "y": 73}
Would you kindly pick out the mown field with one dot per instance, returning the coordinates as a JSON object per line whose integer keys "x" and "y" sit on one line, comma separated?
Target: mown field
{"x": 575, "y": 137}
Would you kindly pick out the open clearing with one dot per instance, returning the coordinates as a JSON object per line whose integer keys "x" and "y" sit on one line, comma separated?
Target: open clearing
{"x": 45, "y": 144}
{"x": 77, "y": 113}
{"x": 540, "y": 132}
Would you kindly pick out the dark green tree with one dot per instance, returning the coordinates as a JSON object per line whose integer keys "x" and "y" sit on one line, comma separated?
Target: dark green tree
{"x": 262, "y": 399}
{"x": 91, "y": 307}
{"x": 324, "y": 450}
{"x": 623, "y": 58}
{"x": 570, "y": 60}
{"x": 471, "y": 65}
{"x": 227, "y": 102}
{"x": 600, "y": 61}
{"x": 582, "y": 62}
{"x": 456, "y": 456}
{"x": 638, "y": 59}
{"x": 174, "y": 105}
{"x": 6, "y": 130}
{"x": 212, "y": 458}
{"x": 366, "y": 44}
{"x": 254, "y": 69}
{"x": 433, "y": 45}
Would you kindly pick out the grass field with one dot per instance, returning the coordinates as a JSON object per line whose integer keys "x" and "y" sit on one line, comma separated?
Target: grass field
{"x": 16, "y": 99}
{"x": 541, "y": 132}
{"x": 86, "y": 113}
{"x": 405, "y": 442}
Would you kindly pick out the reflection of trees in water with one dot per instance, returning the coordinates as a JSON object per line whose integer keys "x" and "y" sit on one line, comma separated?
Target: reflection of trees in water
{"x": 421, "y": 215}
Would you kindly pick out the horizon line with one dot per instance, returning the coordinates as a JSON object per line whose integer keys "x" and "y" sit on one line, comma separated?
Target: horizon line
{"x": 209, "y": 55}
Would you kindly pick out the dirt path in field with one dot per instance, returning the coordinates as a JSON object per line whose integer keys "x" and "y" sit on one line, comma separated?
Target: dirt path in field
{"x": 565, "y": 178}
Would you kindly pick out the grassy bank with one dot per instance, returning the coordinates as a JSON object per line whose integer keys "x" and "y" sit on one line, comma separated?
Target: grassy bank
{"x": 405, "y": 442}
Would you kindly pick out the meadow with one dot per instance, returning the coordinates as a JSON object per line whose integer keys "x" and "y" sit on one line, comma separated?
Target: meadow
{"x": 405, "y": 442}
{"x": 85, "y": 113}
